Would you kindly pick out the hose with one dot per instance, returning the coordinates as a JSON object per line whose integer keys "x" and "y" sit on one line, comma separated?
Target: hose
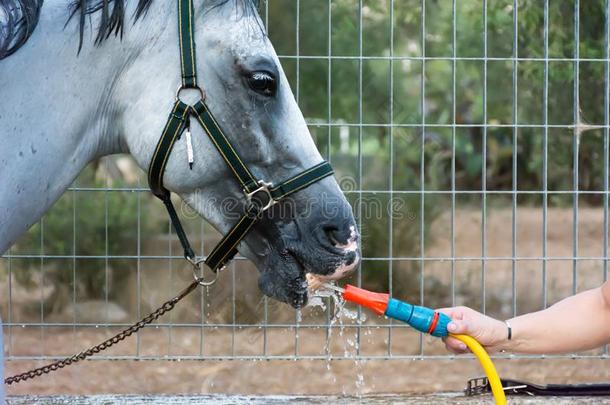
{"x": 487, "y": 365}
{"x": 425, "y": 320}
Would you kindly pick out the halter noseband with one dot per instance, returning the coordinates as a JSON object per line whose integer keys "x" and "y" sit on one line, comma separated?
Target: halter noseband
{"x": 259, "y": 194}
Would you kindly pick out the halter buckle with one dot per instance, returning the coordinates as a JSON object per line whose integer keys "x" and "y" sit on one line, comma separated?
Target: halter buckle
{"x": 268, "y": 201}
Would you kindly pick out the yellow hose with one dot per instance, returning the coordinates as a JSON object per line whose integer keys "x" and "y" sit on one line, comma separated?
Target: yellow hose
{"x": 488, "y": 367}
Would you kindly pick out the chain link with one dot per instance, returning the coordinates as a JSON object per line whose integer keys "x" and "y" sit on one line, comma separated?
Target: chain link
{"x": 153, "y": 316}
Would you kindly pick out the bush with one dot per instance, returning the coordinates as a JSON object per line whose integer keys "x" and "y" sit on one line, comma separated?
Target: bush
{"x": 81, "y": 224}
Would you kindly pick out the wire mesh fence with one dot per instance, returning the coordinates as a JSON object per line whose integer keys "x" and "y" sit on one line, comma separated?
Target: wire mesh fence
{"x": 471, "y": 138}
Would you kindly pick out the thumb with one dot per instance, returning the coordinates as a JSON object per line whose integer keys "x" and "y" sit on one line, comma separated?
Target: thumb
{"x": 459, "y": 327}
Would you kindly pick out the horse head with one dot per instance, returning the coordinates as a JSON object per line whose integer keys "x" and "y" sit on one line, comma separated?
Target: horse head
{"x": 247, "y": 91}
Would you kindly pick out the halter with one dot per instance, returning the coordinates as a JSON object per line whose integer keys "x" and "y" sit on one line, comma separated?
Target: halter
{"x": 259, "y": 194}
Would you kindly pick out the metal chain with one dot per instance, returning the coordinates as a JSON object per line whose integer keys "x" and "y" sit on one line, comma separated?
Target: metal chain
{"x": 166, "y": 307}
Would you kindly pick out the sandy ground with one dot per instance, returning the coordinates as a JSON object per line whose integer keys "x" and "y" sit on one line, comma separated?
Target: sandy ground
{"x": 303, "y": 377}
{"x": 430, "y": 399}
{"x": 343, "y": 377}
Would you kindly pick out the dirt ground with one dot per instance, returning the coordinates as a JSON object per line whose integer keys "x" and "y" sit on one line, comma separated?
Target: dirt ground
{"x": 429, "y": 399}
{"x": 303, "y": 377}
{"x": 342, "y": 377}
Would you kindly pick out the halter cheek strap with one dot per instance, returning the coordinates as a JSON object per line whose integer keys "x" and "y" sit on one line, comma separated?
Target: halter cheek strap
{"x": 188, "y": 63}
{"x": 259, "y": 194}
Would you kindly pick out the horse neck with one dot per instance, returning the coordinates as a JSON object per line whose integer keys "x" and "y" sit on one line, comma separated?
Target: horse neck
{"x": 57, "y": 113}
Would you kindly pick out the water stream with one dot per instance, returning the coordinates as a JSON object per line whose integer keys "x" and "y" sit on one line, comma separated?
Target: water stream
{"x": 350, "y": 343}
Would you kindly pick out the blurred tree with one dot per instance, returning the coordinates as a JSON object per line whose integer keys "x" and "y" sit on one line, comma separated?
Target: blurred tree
{"x": 515, "y": 88}
{"x": 82, "y": 224}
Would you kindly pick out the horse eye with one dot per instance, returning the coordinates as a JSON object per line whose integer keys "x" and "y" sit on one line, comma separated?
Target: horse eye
{"x": 263, "y": 83}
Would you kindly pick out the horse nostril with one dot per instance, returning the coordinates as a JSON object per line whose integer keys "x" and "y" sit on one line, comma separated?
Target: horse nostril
{"x": 350, "y": 258}
{"x": 331, "y": 234}
{"x": 341, "y": 238}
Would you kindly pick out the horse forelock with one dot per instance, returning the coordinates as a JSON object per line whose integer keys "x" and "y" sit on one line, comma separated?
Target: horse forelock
{"x": 113, "y": 17}
{"x": 18, "y": 18}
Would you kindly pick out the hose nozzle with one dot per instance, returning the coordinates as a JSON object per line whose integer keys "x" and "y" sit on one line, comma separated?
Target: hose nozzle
{"x": 378, "y": 302}
{"x": 423, "y": 319}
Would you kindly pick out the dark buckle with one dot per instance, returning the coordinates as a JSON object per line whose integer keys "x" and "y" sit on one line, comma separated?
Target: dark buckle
{"x": 480, "y": 386}
{"x": 477, "y": 386}
{"x": 264, "y": 189}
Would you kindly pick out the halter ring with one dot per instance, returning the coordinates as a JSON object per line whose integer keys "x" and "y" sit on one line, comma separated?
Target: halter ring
{"x": 201, "y": 280}
{"x": 196, "y": 88}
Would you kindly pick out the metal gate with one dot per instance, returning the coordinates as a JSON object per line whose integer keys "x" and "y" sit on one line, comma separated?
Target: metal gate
{"x": 472, "y": 138}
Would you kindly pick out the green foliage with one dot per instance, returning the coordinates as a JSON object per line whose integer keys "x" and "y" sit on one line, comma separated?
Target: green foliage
{"x": 499, "y": 92}
{"x": 82, "y": 224}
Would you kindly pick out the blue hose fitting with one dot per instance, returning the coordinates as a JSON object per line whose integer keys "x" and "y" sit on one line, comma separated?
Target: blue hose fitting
{"x": 423, "y": 319}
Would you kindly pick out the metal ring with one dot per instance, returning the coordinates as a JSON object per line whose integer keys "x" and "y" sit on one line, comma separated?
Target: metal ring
{"x": 196, "y": 88}
{"x": 201, "y": 280}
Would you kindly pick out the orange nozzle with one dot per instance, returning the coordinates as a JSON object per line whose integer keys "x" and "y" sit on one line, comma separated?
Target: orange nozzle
{"x": 378, "y": 302}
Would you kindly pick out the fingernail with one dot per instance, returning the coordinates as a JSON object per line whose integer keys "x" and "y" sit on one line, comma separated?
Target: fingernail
{"x": 462, "y": 346}
{"x": 452, "y": 327}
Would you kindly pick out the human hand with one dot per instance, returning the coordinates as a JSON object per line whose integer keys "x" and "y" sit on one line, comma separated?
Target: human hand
{"x": 489, "y": 332}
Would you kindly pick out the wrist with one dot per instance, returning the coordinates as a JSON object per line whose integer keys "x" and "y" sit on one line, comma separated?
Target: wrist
{"x": 507, "y": 334}
{"x": 509, "y": 330}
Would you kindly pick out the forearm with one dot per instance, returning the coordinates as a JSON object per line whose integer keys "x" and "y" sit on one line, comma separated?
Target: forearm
{"x": 577, "y": 323}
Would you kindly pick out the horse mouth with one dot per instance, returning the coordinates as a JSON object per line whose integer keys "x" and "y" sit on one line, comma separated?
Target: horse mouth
{"x": 300, "y": 294}
{"x": 309, "y": 280}
{"x": 298, "y": 259}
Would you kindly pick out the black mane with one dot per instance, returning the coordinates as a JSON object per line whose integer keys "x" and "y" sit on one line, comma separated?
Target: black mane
{"x": 18, "y": 19}
{"x": 111, "y": 22}
{"x": 114, "y": 21}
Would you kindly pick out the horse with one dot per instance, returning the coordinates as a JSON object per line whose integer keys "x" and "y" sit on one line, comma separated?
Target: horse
{"x": 78, "y": 81}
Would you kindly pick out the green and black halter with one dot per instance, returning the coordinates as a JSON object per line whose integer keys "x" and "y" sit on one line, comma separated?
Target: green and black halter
{"x": 259, "y": 194}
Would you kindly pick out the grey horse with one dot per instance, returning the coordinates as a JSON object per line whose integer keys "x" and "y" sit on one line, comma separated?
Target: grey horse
{"x": 70, "y": 92}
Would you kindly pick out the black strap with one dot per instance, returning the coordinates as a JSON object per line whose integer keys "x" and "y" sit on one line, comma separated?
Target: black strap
{"x": 171, "y": 132}
{"x": 188, "y": 61}
{"x": 231, "y": 157}
{"x": 226, "y": 249}
{"x": 302, "y": 180}
{"x": 173, "y": 128}
{"x": 477, "y": 386}
{"x": 173, "y": 216}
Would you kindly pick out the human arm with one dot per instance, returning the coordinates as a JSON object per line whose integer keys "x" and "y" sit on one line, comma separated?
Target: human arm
{"x": 577, "y": 323}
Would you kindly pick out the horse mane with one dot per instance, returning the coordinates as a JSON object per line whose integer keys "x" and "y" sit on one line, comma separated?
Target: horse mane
{"x": 114, "y": 21}
{"x": 18, "y": 19}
